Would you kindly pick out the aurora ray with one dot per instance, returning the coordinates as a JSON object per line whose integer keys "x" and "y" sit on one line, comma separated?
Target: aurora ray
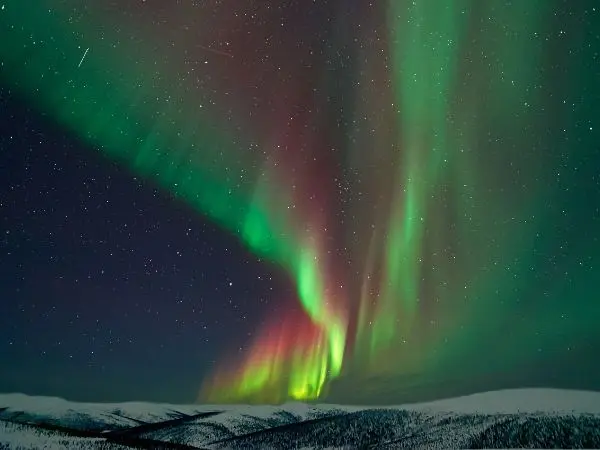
{"x": 198, "y": 160}
{"x": 402, "y": 183}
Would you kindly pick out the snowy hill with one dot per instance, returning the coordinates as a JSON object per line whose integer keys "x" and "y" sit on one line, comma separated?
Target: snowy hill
{"x": 539, "y": 418}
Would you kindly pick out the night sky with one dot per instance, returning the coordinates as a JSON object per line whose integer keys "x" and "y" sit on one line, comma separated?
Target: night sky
{"x": 346, "y": 201}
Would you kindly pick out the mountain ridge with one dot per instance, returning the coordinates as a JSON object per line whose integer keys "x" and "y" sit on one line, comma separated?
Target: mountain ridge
{"x": 541, "y": 417}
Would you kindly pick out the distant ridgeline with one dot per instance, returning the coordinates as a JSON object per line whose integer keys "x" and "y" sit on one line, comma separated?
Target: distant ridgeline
{"x": 539, "y": 418}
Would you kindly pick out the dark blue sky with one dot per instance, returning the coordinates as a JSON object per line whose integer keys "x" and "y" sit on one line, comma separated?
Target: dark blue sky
{"x": 110, "y": 288}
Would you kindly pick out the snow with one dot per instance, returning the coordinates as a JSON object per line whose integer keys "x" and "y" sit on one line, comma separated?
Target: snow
{"x": 530, "y": 400}
{"x": 24, "y": 437}
{"x": 72, "y": 414}
{"x": 447, "y": 422}
{"x": 510, "y": 401}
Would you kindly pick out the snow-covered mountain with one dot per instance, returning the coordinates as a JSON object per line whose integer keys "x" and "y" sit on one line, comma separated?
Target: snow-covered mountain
{"x": 539, "y": 418}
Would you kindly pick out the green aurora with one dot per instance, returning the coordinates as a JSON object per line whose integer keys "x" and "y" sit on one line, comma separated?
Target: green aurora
{"x": 458, "y": 121}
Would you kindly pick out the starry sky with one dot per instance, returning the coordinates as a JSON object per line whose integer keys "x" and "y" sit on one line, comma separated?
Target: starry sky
{"x": 336, "y": 200}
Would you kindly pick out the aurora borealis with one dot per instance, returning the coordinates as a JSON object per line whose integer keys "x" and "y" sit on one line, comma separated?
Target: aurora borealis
{"x": 425, "y": 174}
